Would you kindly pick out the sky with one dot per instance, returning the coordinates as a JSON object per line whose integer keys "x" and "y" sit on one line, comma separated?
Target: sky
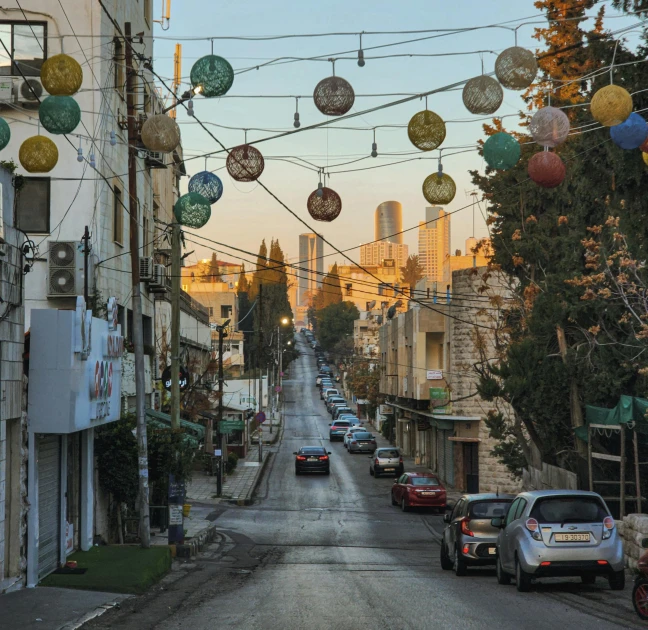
{"x": 246, "y": 213}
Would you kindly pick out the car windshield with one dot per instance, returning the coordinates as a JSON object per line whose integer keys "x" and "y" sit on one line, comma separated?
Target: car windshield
{"x": 361, "y": 435}
{"x": 489, "y": 509}
{"x": 425, "y": 481}
{"x": 388, "y": 452}
{"x": 312, "y": 450}
{"x": 568, "y": 509}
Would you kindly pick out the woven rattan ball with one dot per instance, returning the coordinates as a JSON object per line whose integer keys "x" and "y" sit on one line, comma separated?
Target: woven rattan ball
{"x": 643, "y": 147}
{"x": 213, "y": 74}
{"x": 5, "y": 133}
{"x": 208, "y": 185}
{"x": 38, "y": 154}
{"x": 160, "y": 133}
{"x": 439, "y": 189}
{"x": 631, "y": 133}
{"x": 245, "y": 163}
{"x": 546, "y": 169}
{"x": 192, "y": 210}
{"x": 426, "y": 130}
{"x": 549, "y": 127}
{"x": 334, "y": 96}
{"x": 61, "y": 75}
{"x": 516, "y": 68}
{"x": 501, "y": 151}
{"x": 482, "y": 95}
{"x": 59, "y": 114}
{"x": 645, "y": 158}
{"x": 326, "y": 207}
{"x": 611, "y": 105}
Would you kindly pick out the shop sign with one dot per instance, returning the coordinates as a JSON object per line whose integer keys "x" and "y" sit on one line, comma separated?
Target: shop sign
{"x": 434, "y": 375}
{"x": 166, "y": 378}
{"x": 386, "y": 410}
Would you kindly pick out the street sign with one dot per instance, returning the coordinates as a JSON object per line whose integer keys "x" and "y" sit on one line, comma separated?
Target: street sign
{"x": 229, "y": 426}
{"x": 277, "y": 388}
{"x": 434, "y": 375}
{"x": 260, "y": 417}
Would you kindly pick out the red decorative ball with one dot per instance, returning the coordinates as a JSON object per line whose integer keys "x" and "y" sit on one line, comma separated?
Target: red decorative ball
{"x": 644, "y": 147}
{"x": 325, "y": 207}
{"x": 547, "y": 169}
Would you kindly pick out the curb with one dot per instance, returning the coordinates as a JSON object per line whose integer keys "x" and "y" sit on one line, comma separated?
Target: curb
{"x": 250, "y": 494}
{"x": 196, "y": 544}
{"x": 93, "y": 614}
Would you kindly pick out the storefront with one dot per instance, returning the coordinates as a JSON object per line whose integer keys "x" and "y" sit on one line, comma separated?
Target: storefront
{"x": 74, "y": 386}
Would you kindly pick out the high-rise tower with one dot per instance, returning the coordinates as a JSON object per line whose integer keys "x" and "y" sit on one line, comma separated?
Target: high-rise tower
{"x": 311, "y": 264}
{"x": 434, "y": 242}
{"x": 388, "y": 222}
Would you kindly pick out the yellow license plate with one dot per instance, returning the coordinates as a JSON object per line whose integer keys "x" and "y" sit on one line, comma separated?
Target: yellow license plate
{"x": 577, "y": 537}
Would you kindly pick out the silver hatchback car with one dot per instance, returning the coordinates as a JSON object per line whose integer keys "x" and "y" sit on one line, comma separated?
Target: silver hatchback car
{"x": 553, "y": 533}
{"x": 386, "y": 460}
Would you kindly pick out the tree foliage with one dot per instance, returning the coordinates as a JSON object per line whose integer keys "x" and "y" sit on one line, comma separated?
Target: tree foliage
{"x": 412, "y": 272}
{"x": 334, "y": 322}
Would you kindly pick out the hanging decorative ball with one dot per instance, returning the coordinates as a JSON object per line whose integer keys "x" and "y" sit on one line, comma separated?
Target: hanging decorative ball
{"x": 516, "y": 68}
{"x": 208, "y": 185}
{"x": 333, "y": 96}
{"x": 160, "y": 133}
{"x": 549, "y": 127}
{"x": 245, "y": 163}
{"x": 192, "y": 210}
{"x": 631, "y": 133}
{"x": 645, "y": 158}
{"x": 5, "y": 133}
{"x": 546, "y": 169}
{"x": 439, "y": 189}
{"x": 213, "y": 74}
{"x": 426, "y": 130}
{"x": 644, "y": 146}
{"x": 482, "y": 95}
{"x": 611, "y": 105}
{"x": 38, "y": 154}
{"x": 61, "y": 75}
{"x": 501, "y": 151}
{"x": 324, "y": 204}
{"x": 59, "y": 114}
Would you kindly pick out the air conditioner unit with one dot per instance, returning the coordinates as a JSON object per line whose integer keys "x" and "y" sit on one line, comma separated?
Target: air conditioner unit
{"x": 27, "y": 91}
{"x": 158, "y": 280}
{"x": 146, "y": 269}
{"x": 63, "y": 269}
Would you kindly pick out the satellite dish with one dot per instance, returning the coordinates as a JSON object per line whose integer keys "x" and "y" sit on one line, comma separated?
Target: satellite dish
{"x": 371, "y": 304}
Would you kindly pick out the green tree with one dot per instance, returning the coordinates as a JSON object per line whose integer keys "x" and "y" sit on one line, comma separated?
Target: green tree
{"x": 329, "y": 293}
{"x": 412, "y": 272}
{"x": 334, "y": 322}
{"x": 259, "y": 271}
{"x": 212, "y": 273}
{"x": 243, "y": 286}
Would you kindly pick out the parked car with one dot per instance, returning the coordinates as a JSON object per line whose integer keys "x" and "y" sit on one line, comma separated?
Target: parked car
{"x": 338, "y": 411}
{"x": 554, "y": 533}
{"x": 386, "y": 460}
{"x": 337, "y": 429}
{"x": 418, "y": 490}
{"x": 469, "y": 538}
{"x": 350, "y": 432}
{"x": 325, "y": 384}
{"x": 312, "y": 459}
{"x": 356, "y": 422}
{"x": 332, "y": 392}
{"x": 362, "y": 442}
{"x": 325, "y": 390}
{"x": 334, "y": 400}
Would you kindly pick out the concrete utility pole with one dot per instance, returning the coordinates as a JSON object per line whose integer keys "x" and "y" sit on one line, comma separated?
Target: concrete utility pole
{"x": 136, "y": 299}
{"x": 221, "y": 378}
{"x": 175, "y": 324}
{"x": 259, "y": 351}
{"x": 86, "y": 253}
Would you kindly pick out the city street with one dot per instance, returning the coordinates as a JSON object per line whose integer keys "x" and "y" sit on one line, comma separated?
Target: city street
{"x": 331, "y": 552}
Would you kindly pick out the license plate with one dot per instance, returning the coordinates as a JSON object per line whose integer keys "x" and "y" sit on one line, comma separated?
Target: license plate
{"x": 492, "y": 551}
{"x": 312, "y": 459}
{"x": 389, "y": 470}
{"x": 578, "y": 537}
{"x": 427, "y": 494}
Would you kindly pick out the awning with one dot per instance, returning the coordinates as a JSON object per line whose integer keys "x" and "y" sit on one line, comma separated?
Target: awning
{"x": 464, "y": 439}
{"x": 434, "y": 416}
{"x": 194, "y": 431}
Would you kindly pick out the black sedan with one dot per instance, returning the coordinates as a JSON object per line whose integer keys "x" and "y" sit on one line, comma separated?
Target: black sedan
{"x": 312, "y": 459}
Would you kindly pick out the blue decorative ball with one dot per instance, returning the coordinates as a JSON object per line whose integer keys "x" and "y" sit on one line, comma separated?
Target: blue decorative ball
{"x": 631, "y": 133}
{"x": 501, "y": 151}
{"x": 208, "y": 185}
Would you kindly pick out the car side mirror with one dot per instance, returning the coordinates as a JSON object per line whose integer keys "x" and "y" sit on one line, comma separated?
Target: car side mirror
{"x": 328, "y": 452}
{"x": 446, "y": 518}
{"x": 497, "y": 522}
{"x": 294, "y": 452}
{"x": 330, "y": 423}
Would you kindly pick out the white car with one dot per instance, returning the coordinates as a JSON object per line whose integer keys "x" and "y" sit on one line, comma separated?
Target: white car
{"x": 350, "y": 432}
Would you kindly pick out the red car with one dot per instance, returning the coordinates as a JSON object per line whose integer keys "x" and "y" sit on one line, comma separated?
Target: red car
{"x": 418, "y": 490}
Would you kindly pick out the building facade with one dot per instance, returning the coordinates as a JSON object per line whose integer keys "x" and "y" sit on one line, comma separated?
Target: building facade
{"x": 375, "y": 254}
{"x": 434, "y": 242}
{"x": 477, "y": 255}
{"x": 310, "y": 268}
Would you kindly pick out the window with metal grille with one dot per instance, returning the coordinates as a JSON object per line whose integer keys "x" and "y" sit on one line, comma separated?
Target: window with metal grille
{"x": 33, "y": 205}
{"x": 27, "y": 46}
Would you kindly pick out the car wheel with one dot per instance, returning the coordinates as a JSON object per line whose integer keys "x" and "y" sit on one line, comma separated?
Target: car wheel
{"x": 371, "y": 472}
{"x": 404, "y": 507}
{"x": 617, "y": 580}
{"x": 588, "y": 579}
{"x": 394, "y": 502}
{"x": 640, "y": 598}
{"x": 459, "y": 563}
{"x": 328, "y": 472}
{"x": 503, "y": 578}
{"x": 522, "y": 578}
{"x": 297, "y": 472}
{"x": 446, "y": 563}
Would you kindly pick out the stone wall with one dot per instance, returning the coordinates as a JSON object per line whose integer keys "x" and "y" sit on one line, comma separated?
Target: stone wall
{"x": 633, "y": 530}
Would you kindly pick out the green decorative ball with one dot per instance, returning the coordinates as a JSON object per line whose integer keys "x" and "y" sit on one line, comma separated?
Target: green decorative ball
{"x": 213, "y": 74}
{"x": 192, "y": 210}
{"x": 59, "y": 114}
{"x": 501, "y": 151}
{"x": 5, "y": 133}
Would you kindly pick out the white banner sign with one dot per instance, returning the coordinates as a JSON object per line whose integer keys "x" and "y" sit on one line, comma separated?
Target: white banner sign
{"x": 434, "y": 375}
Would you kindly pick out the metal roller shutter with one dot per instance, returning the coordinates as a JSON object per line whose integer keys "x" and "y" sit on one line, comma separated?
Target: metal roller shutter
{"x": 49, "y": 504}
{"x": 441, "y": 453}
{"x": 449, "y": 458}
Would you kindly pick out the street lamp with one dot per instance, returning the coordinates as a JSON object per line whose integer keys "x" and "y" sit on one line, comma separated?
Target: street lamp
{"x": 284, "y": 321}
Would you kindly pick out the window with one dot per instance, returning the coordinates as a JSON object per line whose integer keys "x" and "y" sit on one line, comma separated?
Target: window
{"x": 129, "y": 324}
{"x": 118, "y": 216}
{"x": 226, "y": 311}
{"x": 119, "y": 61}
{"x": 510, "y": 517}
{"x": 489, "y": 509}
{"x": 211, "y": 311}
{"x": 185, "y": 287}
{"x": 147, "y": 330}
{"x": 569, "y": 509}
{"x": 33, "y": 205}
{"x": 27, "y": 43}
{"x": 521, "y": 508}
{"x": 425, "y": 481}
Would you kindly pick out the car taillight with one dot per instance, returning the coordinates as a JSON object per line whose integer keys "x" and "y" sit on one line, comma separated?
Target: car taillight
{"x": 376, "y": 461}
{"x": 400, "y": 460}
{"x": 608, "y": 526}
{"x": 323, "y": 458}
{"x": 301, "y": 458}
{"x": 465, "y": 527}
{"x": 353, "y": 442}
{"x": 532, "y": 525}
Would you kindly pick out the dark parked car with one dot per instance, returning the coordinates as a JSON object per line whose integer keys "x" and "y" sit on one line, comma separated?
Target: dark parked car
{"x": 340, "y": 411}
{"x": 312, "y": 459}
{"x": 469, "y": 538}
{"x": 361, "y": 443}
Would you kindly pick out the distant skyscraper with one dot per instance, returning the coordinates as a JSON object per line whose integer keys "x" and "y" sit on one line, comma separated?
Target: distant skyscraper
{"x": 311, "y": 265}
{"x": 434, "y": 242}
{"x": 388, "y": 222}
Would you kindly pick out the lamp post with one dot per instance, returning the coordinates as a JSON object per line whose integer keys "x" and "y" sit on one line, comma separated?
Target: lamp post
{"x": 283, "y": 322}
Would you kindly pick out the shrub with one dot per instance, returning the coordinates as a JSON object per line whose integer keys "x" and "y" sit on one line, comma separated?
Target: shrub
{"x": 232, "y": 461}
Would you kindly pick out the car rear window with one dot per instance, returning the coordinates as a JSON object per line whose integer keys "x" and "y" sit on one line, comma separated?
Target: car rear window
{"x": 425, "y": 481}
{"x": 341, "y": 423}
{"x": 387, "y": 452}
{"x": 489, "y": 509}
{"x": 568, "y": 510}
{"x": 312, "y": 450}
{"x": 360, "y": 435}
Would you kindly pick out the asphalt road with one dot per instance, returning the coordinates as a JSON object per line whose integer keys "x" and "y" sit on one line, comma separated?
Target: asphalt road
{"x": 331, "y": 552}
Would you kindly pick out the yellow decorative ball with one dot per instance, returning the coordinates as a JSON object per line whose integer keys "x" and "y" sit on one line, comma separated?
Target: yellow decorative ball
{"x": 160, "y": 133}
{"x": 38, "y": 154}
{"x": 426, "y": 130}
{"x": 61, "y": 75}
{"x": 439, "y": 189}
{"x": 611, "y": 105}
{"x": 645, "y": 158}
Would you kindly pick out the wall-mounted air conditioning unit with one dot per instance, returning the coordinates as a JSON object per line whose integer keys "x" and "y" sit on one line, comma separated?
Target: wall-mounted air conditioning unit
{"x": 159, "y": 278}
{"x": 146, "y": 269}
{"x": 64, "y": 273}
{"x": 30, "y": 92}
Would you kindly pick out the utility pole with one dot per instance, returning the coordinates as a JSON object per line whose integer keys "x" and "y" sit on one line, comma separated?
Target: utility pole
{"x": 86, "y": 253}
{"x": 259, "y": 350}
{"x": 136, "y": 299}
{"x": 221, "y": 378}
{"x": 175, "y": 324}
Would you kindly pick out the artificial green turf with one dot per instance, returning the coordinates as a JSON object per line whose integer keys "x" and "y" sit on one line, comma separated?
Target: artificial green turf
{"x": 115, "y": 569}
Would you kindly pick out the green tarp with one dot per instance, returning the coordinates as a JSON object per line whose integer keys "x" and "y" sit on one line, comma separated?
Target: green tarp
{"x": 194, "y": 432}
{"x": 629, "y": 409}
